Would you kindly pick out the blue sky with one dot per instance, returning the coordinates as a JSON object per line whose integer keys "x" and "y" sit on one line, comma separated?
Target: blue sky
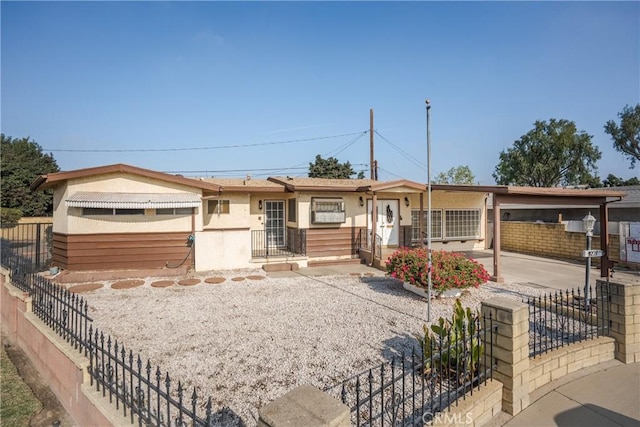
{"x": 167, "y": 75}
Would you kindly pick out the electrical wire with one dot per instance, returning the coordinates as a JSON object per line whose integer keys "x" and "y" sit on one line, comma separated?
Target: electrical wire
{"x": 406, "y": 155}
{"x": 148, "y": 150}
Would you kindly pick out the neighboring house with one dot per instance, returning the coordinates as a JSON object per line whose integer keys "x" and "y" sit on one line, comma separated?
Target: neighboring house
{"x": 125, "y": 217}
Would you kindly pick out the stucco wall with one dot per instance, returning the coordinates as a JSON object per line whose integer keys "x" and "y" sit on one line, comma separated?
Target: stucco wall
{"x": 238, "y": 216}
{"x": 223, "y": 249}
{"x": 70, "y": 220}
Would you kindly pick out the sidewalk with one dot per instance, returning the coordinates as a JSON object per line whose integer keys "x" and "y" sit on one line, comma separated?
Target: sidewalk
{"x": 604, "y": 395}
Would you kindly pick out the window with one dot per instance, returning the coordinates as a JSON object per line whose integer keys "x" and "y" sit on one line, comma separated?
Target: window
{"x": 462, "y": 223}
{"x": 291, "y": 207}
{"x": 218, "y": 206}
{"x": 436, "y": 224}
{"x": 327, "y": 211}
{"x": 174, "y": 211}
{"x": 111, "y": 211}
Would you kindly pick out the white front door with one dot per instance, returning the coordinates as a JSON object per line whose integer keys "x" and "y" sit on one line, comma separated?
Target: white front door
{"x": 387, "y": 226}
{"x": 274, "y": 222}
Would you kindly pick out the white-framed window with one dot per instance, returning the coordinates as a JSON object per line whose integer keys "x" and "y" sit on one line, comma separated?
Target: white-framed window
{"x": 111, "y": 211}
{"x": 327, "y": 211}
{"x": 436, "y": 224}
{"x": 218, "y": 207}
{"x": 174, "y": 211}
{"x": 462, "y": 224}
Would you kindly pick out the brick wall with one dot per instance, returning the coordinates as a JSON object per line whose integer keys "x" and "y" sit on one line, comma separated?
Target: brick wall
{"x": 550, "y": 240}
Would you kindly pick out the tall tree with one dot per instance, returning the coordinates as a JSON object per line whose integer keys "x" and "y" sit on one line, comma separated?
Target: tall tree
{"x": 552, "y": 153}
{"x": 456, "y": 175}
{"x": 626, "y": 137}
{"x": 331, "y": 168}
{"x": 615, "y": 181}
{"x": 22, "y": 161}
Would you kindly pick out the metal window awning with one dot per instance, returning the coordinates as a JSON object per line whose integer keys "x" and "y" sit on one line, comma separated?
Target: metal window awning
{"x": 87, "y": 199}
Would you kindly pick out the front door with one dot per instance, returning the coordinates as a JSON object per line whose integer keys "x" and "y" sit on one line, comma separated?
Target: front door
{"x": 274, "y": 222}
{"x": 387, "y": 221}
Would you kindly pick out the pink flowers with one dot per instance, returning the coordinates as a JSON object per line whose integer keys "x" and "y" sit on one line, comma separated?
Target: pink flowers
{"x": 450, "y": 269}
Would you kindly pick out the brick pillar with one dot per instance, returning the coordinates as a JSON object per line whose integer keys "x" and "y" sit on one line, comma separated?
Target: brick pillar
{"x": 510, "y": 350}
{"x": 305, "y": 406}
{"x": 624, "y": 316}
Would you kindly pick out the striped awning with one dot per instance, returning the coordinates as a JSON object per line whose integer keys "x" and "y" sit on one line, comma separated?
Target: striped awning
{"x": 87, "y": 199}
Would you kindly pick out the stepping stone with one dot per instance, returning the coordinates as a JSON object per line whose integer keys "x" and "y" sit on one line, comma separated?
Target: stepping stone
{"x": 255, "y": 277}
{"x": 127, "y": 284}
{"x": 79, "y": 289}
{"x": 188, "y": 282}
{"x": 354, "y": 274}
{"x": 214, "y": 280}
{"x": 369, "y": 274}
{"x": 237, "y": 279}
{"x": 163, "y": 283}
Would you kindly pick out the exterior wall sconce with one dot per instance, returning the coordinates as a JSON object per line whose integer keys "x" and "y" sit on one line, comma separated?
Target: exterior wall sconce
{"x": 259, "y": 204}
{"x": 406, "y": 201}
{"x": 361, "y": 201}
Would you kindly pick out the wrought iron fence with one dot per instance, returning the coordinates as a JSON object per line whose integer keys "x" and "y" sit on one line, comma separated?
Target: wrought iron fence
{"x": 290, "y": 242}
{"x": 145, "y": 397}
{"x": 29, "y": 241}
{"x": 144, "y": 394}
{"x": 564, "y": 317}
{"x": 412, "y": 390}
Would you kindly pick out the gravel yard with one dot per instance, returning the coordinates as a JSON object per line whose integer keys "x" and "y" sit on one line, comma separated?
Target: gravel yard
{"x": 245, "y": 343}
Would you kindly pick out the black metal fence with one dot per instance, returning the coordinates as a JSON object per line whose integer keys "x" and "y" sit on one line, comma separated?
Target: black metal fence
{"x": 289, "y": 242}
{"x": 29, "y": 241}
{"x": 146, "y": 397}
{"x": 565, "y": 317}
{"x": 144, "y": 394}
{"x": 412, "y": 390}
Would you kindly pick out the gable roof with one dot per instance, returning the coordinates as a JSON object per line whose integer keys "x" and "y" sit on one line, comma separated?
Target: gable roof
{"x": 322, "y": 184}
{"x": 51, "y": 180}
{"x": 244, "y": 184}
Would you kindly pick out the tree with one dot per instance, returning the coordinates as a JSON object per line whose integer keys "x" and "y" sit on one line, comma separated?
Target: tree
{"x": 626, "y": 137}
{"x": 331, "y": 168}
{"x": 614, "y": 181}
{"x": 552, "y": 153}
{"x": 22, "y": 161}
{"x": 457, "y": 175}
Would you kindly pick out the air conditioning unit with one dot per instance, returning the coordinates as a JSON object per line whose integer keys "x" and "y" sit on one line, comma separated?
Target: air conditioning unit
{"x": 328, "y": 217}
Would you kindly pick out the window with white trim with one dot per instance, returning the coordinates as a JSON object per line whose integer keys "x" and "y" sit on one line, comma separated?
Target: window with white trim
{"x": 218, "y": 207}
{"x": 327, "y": 211}
{"x": 174, "y": 211}
{"x": 291, "y": 210}
{"x": 462, "y": 224}
{"x": 111, "y": 211}
{"x": 436, "y": 224}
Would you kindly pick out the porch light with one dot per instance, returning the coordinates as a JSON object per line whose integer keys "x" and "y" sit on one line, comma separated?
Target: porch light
{"x": 406, "y": 201}
{"x": 361, "y": 201}
{"x": 260, "y": 204}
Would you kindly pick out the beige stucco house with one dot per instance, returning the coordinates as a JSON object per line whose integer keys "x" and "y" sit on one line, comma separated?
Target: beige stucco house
{"x": 125, "y": 217}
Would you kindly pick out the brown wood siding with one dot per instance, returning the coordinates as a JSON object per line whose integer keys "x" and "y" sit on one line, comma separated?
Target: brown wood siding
{"x": 322, "y": 242}
{"x": 118, "y": 251}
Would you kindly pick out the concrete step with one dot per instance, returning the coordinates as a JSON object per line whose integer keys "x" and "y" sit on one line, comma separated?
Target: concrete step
{"x": 281, "y": 266}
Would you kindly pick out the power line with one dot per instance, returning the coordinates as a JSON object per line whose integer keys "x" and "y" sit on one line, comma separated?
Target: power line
{"x": 147, "y": 150}
{"x": 232, "y": 171}
{"x": 402, "y": 152}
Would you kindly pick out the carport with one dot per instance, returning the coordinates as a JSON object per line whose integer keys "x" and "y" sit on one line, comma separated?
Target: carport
{"x": 506, "y": 194}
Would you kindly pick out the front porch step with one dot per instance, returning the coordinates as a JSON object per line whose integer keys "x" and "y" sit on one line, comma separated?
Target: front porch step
{"x": 327, "y": 262}
{"x": 281, "y": 266}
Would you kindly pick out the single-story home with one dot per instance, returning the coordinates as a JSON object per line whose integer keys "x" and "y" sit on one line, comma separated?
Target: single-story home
{"x": 125, "y": 217}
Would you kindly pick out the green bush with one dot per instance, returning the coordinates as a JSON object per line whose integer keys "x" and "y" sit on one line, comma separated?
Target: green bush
{"x": 453, "y": 346}
{"x": 449, "y": 269}
{"x": 9, "y": 217}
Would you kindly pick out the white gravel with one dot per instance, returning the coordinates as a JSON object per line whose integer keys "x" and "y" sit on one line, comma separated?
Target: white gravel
{"x": 247, "y": 343}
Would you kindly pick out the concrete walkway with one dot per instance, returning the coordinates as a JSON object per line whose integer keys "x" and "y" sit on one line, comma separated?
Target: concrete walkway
{"x": 604, "y": 395}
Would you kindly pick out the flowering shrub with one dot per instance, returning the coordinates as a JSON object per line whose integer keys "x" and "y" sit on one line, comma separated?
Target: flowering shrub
{"x": 449, "y": 269}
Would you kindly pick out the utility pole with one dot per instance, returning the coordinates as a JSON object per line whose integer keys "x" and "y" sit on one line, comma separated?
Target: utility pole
{"x": 371, "y": 161}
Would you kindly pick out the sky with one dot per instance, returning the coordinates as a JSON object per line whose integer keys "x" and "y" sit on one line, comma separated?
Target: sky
{"x": 225, "y": 89}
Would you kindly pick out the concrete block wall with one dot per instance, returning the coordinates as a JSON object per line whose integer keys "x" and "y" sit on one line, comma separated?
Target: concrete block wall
{"x": 59, "y": 365}
{"x": 624, "y": 316}
{"x": 565, "y": 360}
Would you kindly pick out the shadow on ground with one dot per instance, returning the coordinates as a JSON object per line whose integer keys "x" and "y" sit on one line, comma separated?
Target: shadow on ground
{"x": 592, "y": 415}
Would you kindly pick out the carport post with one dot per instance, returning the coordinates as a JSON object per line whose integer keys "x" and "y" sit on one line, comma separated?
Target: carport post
{"x": 605, "y": 266}
{"x": 496, "y": 241}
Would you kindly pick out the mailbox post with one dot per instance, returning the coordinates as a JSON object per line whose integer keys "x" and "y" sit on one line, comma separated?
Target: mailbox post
{"x": 588, "y": 223}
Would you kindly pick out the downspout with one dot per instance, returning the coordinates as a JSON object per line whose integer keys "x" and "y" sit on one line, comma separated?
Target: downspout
{"x": 374, "y": 226}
